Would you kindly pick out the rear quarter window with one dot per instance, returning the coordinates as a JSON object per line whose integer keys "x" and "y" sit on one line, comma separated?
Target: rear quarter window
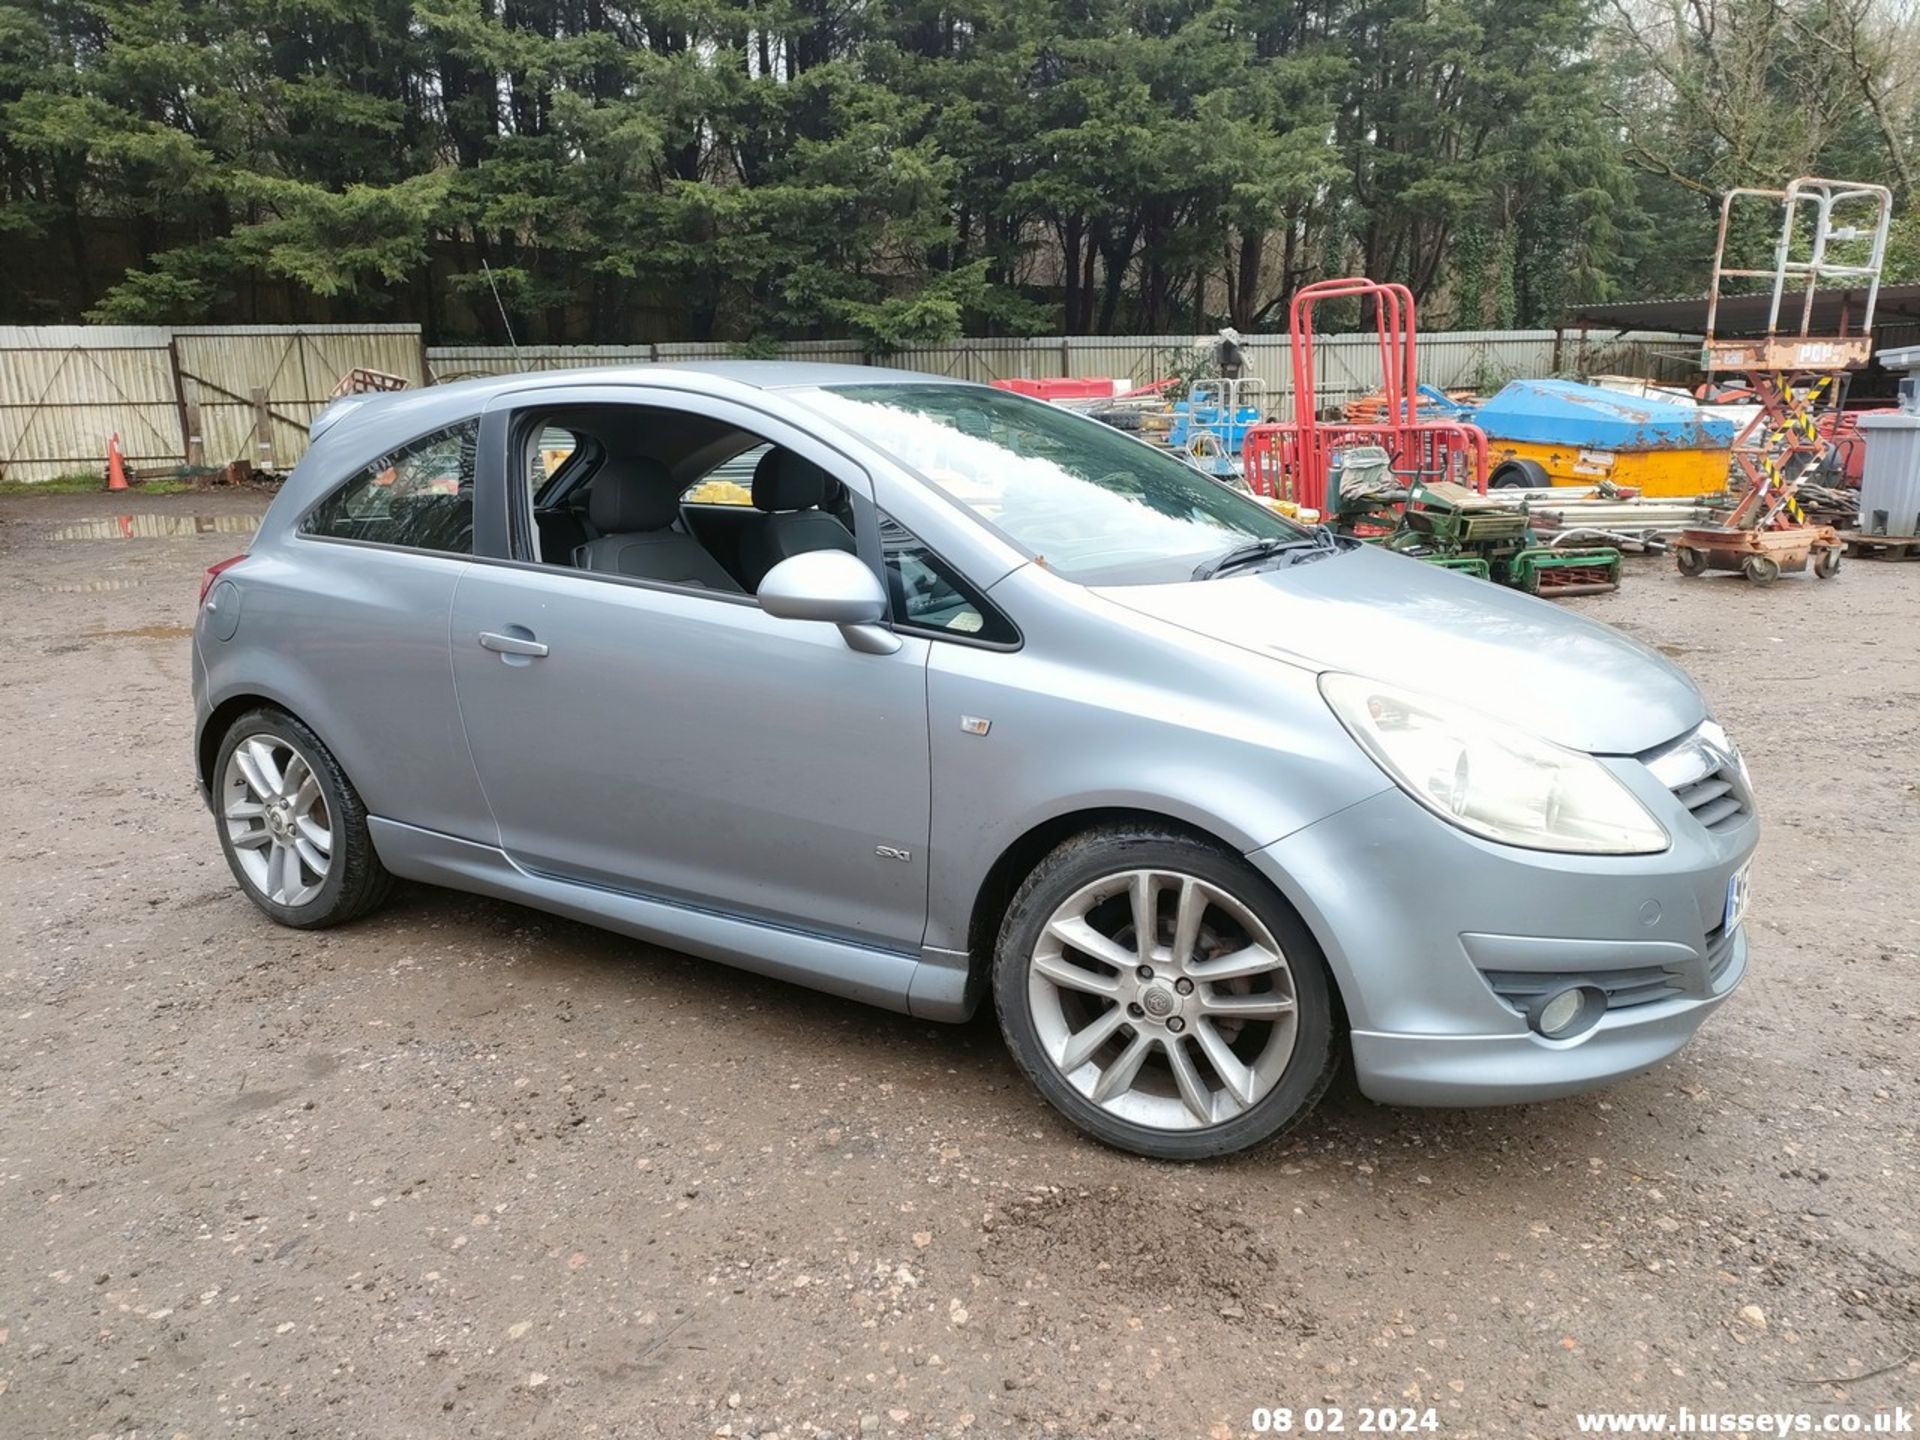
{"x": 419, "y": 496}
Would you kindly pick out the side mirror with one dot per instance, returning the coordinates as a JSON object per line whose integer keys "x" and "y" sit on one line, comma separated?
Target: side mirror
{"x": 833, "y": 586}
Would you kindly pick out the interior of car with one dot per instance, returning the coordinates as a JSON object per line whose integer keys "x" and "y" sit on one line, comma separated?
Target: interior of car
{"x": 677, "y": 498}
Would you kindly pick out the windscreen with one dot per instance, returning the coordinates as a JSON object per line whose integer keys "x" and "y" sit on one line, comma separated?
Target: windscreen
{"x": 1090, "y": 503}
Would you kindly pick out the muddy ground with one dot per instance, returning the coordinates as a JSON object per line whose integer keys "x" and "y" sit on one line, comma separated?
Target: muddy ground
{"x": 465, "y": 1170}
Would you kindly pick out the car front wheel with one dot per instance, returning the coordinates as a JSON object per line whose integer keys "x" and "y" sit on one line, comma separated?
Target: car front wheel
{"x": 293, "y": 828}
{"x": 1160, "y": 994}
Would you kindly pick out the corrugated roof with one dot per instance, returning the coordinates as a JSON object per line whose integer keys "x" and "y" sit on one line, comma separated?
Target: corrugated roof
{"x": 1747, "y": 314}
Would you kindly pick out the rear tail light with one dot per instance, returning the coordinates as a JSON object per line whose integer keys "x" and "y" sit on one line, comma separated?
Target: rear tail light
{"x": 213, "y": 573}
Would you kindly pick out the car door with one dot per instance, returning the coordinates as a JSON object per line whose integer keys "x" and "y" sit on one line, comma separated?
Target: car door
{"x": 356, "y": 601}
{"x": 682, "y": 744}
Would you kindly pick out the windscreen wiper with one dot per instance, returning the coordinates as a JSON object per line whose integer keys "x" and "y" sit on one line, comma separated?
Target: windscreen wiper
{"x": 1255, "y": 551}
{"x": 1325, "y": 543}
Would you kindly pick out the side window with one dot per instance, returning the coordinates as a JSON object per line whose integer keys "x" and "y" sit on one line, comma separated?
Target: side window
{"x": 419, "y": 496}
{"x": 928, "y": 594}
{"x": 728, "y": 483}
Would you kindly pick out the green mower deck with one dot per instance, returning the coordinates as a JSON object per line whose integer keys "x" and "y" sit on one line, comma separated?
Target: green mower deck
{"x": 1543, "y": 571}
{"x": 1459, "y": 529}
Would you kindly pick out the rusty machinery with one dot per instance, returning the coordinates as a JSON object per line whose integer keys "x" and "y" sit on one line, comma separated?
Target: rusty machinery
{"x": 1796, "y": 373}
{"x": 1428, "y": 493}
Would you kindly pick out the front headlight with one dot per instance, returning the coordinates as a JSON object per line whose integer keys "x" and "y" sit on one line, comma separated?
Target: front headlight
{"x": 1490, "y": 778}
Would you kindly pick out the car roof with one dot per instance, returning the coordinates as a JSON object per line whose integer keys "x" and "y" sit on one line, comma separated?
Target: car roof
{"x": 794, "y": 374}
{"x": 760, "y": 374}
{"x": 466, "y": 396}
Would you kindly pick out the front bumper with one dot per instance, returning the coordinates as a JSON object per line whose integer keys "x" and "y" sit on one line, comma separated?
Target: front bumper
{"x": 1421, "y": 923}
{"x": 1400, "y": 1069}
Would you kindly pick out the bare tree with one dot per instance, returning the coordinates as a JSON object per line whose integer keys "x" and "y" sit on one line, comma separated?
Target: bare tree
{"x": 1717, "y": 93}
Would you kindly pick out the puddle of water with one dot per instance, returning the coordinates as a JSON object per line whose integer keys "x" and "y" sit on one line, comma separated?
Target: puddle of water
{"x": 157, "y": 527}
{"x": 143, "y": 632}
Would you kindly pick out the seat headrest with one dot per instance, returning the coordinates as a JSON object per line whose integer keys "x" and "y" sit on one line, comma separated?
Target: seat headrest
{"x": 786, "y": 481}
{"x": 632, "y": 493}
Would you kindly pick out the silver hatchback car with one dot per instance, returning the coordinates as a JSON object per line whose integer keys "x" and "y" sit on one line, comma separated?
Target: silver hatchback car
{"x": 919, "y": 692}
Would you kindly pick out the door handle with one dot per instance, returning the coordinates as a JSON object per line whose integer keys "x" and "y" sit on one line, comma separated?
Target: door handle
{"x": 511, "y": 644}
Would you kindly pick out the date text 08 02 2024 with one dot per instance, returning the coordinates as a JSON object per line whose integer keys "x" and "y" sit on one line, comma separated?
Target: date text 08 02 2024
{"x": 1336, "y": 1420}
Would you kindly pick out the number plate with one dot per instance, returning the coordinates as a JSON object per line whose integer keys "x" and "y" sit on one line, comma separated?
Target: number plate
{"x": 1739, "y": 891}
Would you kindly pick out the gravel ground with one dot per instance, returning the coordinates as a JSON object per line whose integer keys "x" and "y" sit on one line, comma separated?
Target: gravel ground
{"x": 462, "y": 1169}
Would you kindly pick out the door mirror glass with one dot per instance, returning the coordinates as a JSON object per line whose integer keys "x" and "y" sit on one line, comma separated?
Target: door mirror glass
{"x": 835, "y": 587}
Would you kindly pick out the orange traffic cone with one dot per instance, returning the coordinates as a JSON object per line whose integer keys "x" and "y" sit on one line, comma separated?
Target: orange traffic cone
{"x": 116, "y": 467}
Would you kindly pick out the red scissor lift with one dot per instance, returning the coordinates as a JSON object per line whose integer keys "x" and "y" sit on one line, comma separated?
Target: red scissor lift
{"x": 1799, "y": 377}
{"x": 1292, "y": 459}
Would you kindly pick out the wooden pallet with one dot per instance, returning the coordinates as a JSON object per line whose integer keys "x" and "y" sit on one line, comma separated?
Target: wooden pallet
{"x": 1881, "y": 547}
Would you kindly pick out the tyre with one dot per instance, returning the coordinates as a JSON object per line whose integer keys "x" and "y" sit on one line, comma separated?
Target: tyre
{"x": 1159, "y": 993}
{"x": 1826, "y": 563}
{"x": 1520, "y": 475}
{"x": 1690, "y": 560}
{"x": 1760, "y": 570}
{"x": 292, "y": 826}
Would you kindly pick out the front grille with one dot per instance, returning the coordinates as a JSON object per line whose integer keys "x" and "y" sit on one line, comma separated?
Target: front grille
{"x": 1704, "y": 774}
{"x": 1715, "y": 801}
{"x": 1641, "y": 985}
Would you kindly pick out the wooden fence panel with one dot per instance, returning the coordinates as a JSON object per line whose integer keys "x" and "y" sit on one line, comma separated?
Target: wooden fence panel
{"x": 257, "y": 388}
{"x": 64, "y": 389}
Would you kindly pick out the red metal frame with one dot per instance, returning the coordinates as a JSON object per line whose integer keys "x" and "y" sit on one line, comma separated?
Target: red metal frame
{"x": 1292, "y": 459}
{"x": 1289, "y": 461}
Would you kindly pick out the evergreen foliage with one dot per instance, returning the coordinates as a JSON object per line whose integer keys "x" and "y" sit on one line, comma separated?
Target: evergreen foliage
{"x": 902, "y": 171}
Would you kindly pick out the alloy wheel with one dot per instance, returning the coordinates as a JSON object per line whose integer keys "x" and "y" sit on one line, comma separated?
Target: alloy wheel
{"x": 1163, "y": 999}
{"x": 277, "y": 819}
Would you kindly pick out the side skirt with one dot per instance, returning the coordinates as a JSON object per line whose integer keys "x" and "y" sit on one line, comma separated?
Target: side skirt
{"x": 928, "y": 988}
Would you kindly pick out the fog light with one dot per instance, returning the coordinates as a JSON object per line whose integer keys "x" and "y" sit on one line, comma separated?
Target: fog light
{"x": 1566, "y": 1012}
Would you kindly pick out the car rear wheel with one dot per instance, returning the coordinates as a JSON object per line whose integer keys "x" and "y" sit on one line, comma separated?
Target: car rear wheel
{"x": 1159, "y": 993}
{"x": 293, "y": 828}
